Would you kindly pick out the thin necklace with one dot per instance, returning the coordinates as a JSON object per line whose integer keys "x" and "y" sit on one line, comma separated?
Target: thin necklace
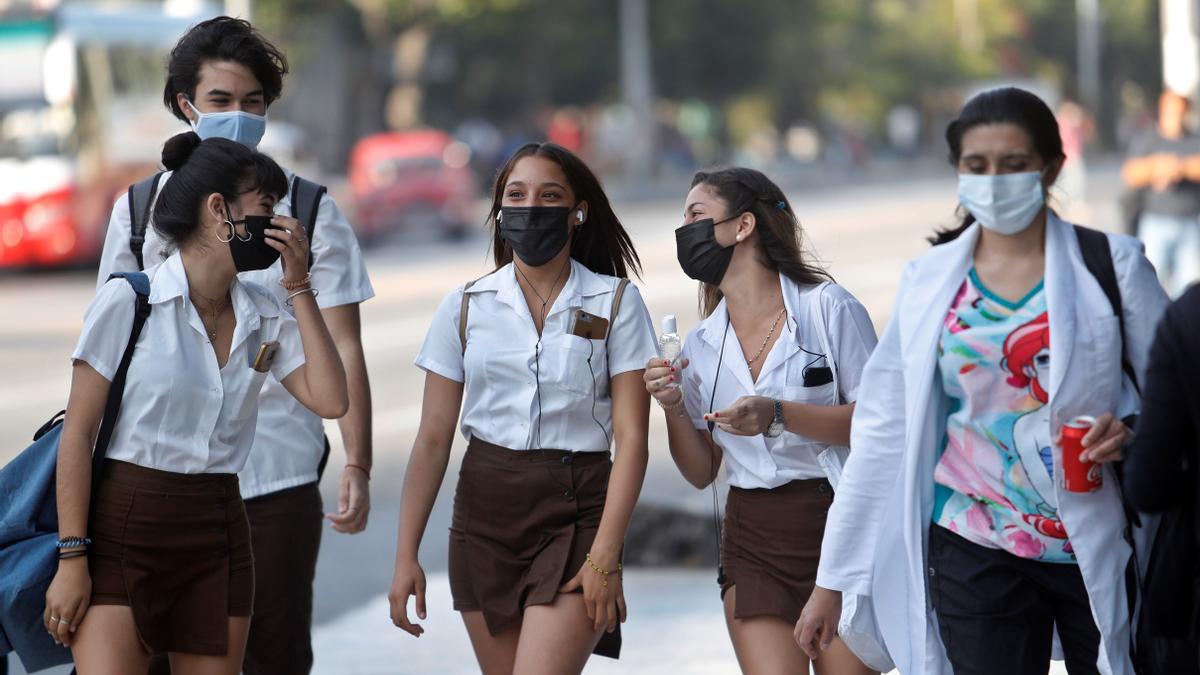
{"x": 545, "y": 300}
{"x": 768, "y": 338}
{"x": 215, "y": 309}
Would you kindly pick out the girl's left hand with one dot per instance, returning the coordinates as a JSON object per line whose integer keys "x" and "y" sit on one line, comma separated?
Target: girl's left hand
{"x": 748, "y": 416}
{"x": 286, "y": 235}
{"x": 1105, "y": 441}
{"x": 605, "y": 603}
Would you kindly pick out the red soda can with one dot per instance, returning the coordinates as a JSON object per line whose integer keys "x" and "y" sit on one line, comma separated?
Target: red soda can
{"x": 1078, "y": 475}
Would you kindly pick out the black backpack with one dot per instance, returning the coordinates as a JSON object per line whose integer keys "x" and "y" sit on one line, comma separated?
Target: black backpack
{"x": 306, "y": 201}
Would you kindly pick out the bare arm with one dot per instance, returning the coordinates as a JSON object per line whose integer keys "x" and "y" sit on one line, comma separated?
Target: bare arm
{"x": 631, "y": 412}
{"x": 319, "y": 384}
{"x": 353, "y": 497}
{"x": 426, "y": 469}
{"x": 694, "y": 453}
{"x": 827, "y": 424}
{"x": 68, "y": 596}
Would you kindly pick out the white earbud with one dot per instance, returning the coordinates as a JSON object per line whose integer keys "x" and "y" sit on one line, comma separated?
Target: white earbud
{"x": 579, "y": 215}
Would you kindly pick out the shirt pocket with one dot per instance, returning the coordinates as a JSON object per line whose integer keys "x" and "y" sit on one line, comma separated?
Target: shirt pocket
{"x": 570, "y": 367}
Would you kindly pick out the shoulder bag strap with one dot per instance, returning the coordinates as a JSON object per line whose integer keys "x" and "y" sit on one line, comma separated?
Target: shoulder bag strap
{"x": 462, "y": 316}
{"x": 141, "y": 198}
{"x": 112, "y": 406}
{"x": 618, "y": 293}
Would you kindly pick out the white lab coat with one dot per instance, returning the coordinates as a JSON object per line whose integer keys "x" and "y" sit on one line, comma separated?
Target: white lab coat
{"x": 876, "y": 536}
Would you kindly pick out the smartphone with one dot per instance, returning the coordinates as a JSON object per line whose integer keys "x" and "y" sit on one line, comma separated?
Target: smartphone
{"x": 587, "y": 325}
{"x": 266, "y": 356}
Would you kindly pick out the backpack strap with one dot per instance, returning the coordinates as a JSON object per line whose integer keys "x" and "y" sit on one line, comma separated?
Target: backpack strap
{"x": 141, "y": 198}
{"x": 618, "y": 293}
{"x": 112, "y": 405}
{"x": 1097, "y": 256}
{"x": 306, "y": 203}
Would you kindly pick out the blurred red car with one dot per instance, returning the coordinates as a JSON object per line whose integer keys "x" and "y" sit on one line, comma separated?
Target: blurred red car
{"x": 412, "y": 181}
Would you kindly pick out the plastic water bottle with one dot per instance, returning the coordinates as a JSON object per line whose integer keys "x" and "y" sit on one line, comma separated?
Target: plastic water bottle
{"x": 669, "y": 344}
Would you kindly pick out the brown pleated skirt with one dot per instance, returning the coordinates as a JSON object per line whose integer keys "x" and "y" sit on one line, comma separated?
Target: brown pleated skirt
{"x": 523, "y": 523}
{"x": 175, "y": 548}
{"x": 771, "y": 546}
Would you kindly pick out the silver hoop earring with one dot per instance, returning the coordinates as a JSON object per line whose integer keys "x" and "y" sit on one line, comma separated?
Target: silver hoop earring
{"x": 232, "y": 233}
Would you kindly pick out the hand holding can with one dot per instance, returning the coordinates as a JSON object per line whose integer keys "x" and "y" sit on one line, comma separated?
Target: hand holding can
{"x": 1079, "y": 475}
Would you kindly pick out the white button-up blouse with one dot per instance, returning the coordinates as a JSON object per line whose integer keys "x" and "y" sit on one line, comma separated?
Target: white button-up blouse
{"x": 827, "y": 328}
{"x": 505, "y": 366}
{"x": 180, "y": 412}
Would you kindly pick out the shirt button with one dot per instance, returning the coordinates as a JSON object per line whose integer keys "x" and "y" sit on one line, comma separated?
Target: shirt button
{"x": 568, "y": 495}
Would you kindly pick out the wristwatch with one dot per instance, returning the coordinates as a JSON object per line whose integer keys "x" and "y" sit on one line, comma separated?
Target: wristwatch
{"x": 775, "y": 428}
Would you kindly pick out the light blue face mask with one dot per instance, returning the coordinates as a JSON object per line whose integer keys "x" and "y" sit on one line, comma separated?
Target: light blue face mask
{"x": 235, "y": 125}
{"x": 1006, "y": 203}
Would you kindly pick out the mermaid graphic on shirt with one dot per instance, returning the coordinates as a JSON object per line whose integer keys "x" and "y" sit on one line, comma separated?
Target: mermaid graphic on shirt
{"x": 994, "y": 483}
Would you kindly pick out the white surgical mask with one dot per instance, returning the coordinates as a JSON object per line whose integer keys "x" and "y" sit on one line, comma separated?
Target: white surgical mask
{"x": 235, "y": 125}
{"x": 1006, "y": 203}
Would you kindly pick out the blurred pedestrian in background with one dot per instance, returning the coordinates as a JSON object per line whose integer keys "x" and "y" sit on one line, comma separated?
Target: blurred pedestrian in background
{"x": 222, "y": 78}
{"x": 951, "y": 515}
{"x": 1164, "y": 167}
{"x": 779, "y": 419}
{"x": 544, "y": 357}
{"x": 157, "y": 558}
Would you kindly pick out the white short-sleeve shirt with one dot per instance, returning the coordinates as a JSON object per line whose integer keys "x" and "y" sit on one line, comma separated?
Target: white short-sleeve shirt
{"x": 504, "y": 363}
{"x": 758, "y": 461}
{"x": 180, "y": 412}
{"x": 290, "y": 440}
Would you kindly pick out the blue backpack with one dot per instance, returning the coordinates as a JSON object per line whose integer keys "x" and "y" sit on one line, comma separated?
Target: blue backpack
{"x": 29, "y": 516}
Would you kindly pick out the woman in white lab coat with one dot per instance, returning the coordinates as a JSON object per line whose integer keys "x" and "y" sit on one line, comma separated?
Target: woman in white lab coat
{"x": 968, "y": 547}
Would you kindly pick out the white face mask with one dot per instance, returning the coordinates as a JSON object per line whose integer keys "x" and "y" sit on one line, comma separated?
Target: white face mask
{"x": 1006, "y": 203}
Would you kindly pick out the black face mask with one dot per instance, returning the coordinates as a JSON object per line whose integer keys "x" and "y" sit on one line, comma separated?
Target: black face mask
{"x": 535, "y": 233}
{"x": 700, "y": 256}
{"x": 253, "y": 252}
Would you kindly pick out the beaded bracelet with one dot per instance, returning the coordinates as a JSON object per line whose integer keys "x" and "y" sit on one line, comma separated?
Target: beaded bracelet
{"x": 302, "y": 291}
{"x": 671, "y": 408}
{"x": 602, "y": 572}
{"x": 72, "y": 542}
{"x": 293, "y": 285}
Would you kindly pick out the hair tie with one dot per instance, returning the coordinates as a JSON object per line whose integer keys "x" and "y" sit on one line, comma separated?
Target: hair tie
{"x": 781, "y": 205}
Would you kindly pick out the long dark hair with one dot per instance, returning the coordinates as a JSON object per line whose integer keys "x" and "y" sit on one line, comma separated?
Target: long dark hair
{"x": 201, "y": 168}
{"x": 1007, "y": 105}
{"x": 779, "y": 233}
{"x": 602, "y": 245}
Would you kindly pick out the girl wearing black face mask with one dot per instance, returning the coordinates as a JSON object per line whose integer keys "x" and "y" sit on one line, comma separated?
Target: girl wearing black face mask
{"x": 155, "y": 550}
{"x": 766, "y": 383}
{"x": 544, "y": 357}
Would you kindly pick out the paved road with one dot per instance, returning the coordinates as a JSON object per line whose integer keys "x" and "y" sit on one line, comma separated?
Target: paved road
{"x": 863, "y": 233}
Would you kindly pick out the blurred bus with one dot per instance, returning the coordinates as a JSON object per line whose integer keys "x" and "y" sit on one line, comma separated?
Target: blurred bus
{"x": 81, "y": 118}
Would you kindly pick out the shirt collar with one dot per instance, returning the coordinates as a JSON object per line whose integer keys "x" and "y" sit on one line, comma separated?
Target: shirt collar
{"x": 581, "y": 283}
{"x": 169, "y": 281}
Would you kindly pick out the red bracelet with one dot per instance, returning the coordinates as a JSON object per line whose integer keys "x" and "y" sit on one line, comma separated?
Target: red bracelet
{"x": 360, "y": 468}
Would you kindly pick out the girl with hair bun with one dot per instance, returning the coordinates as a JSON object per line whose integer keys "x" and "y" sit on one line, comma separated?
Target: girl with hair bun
{"x": 155, "y": 551}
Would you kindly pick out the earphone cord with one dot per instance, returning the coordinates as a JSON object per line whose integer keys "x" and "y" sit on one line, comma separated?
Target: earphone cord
{"x": 537, "y": 361}
{"x": 712, "y": 462}
{"x": 591, "y": 350}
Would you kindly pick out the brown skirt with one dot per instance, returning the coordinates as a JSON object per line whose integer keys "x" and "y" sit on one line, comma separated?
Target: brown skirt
{"x": 523, "y": 524}
{"x": 175, "y": 548}
{"x": 771, "y": 546}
